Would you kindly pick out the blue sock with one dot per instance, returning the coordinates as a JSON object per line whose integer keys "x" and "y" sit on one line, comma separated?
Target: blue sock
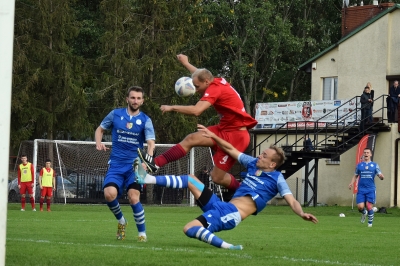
{"x": 203, "y": 234}
{"x": 115, "y": 209}
{"x": 370, "y": 216}
{"x": 172, "y": 181}
{"x": 138, "y": 215}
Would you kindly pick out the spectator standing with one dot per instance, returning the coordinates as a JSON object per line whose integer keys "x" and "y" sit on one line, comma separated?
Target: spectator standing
{"x": 26, "y": 174}
{"x": 392, "y": 101}
{"x": 366, "y": 112}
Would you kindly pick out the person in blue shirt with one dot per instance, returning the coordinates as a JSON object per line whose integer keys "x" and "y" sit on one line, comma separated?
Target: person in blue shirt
{"x": 261, "y": 184}
{"x": 130, "y": 128}
{"x": 366, "y": 170}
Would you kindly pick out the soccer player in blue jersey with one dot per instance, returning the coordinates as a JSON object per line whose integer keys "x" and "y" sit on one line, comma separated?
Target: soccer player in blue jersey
{"x": 367, "y": 170}
{"x": 130, "y": 128}
{"x": 261, "y": 184}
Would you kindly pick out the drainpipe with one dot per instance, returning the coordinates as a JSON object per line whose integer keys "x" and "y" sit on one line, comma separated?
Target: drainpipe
{"x": 396, "y": 169}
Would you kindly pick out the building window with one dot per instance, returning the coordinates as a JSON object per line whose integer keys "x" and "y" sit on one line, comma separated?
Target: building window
{"x": 329, "y": 89}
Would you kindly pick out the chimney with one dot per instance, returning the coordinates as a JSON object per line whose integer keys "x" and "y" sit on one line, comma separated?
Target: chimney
{"x": 355, "y": 16}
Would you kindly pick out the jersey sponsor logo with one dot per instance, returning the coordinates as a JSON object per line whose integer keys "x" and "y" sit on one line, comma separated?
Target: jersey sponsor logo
{"x": 129, "y": 125}
{"x": 223, "y": 161}
{"x": 138, "y": 122}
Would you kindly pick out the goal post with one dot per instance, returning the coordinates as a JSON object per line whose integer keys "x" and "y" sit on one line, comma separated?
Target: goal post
{"x": 81, "y": 168}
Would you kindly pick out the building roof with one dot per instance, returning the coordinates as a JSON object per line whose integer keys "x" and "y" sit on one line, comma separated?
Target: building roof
{"x": 369, "y": 22}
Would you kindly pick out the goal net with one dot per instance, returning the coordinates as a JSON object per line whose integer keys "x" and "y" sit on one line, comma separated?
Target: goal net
{"x": 80, "y": 171}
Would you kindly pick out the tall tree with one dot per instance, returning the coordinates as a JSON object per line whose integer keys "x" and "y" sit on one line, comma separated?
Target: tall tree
{"x": 47, "y": 101}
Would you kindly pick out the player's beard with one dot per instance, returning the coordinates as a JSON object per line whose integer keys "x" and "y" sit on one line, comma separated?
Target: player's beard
{"x": 132, "y": 108}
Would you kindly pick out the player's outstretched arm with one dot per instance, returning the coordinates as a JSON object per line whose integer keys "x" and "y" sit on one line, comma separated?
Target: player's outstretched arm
{"x": 185, "y": 62}
{"x": 226, "y": 146}
{"x": 296, "y": 207}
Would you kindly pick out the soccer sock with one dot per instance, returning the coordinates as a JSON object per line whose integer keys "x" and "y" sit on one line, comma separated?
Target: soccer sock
{"x": 23, "y": 200}
{"x": 138, "y": 215}
{"x": 116, "y": 210}
{"x": 32, "y": 200}
{"x": 173, "y": 154}
{"x": 204, "y": 235}
{"x": 41, "y": 203}
{"x": 370, "y": 216}
{"x": 234, "y": 183}
{"x": 48, "y": 204}
{"x": 172, "y": 181}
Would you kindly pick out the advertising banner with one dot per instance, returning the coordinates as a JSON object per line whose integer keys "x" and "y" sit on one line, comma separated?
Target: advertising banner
{"x": 305, "y": 113}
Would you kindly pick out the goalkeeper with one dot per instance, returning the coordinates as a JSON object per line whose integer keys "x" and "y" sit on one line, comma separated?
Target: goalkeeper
{"x": 130, "y": 128}
{"x": 261, "y": 184}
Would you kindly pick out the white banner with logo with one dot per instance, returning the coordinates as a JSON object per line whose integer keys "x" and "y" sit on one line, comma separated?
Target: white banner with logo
{"x": 305, "y": 113}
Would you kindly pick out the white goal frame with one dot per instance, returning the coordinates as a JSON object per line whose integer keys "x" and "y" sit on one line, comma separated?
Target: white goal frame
{"x": 197, "y": 159}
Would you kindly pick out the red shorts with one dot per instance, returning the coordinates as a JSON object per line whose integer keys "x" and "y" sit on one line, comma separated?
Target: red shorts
{"x": 26, "y": 186}
{"x": 46, "y": 192}
{"x": 239, "y": 139}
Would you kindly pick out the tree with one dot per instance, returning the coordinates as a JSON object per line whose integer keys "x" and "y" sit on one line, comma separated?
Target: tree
{"x": 47, "y": 100}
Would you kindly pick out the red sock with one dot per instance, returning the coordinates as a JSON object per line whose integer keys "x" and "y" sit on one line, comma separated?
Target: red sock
{"x": 41, "y": 203}
{"x": 173, "y": 154}
{"x": 234, "y": 183}
{"x": 23, "y": 200}
{"x": 32, "y": 200}
{"x": 48, "y": 204}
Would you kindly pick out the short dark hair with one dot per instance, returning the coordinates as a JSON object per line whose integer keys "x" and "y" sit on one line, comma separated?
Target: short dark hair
{"x": 135, "y": 88}
{"x": 47, "y": 161}
{"x": 368, "y": 149}
{"x": 279, "y": 157}
{"x": 24, "y": 155}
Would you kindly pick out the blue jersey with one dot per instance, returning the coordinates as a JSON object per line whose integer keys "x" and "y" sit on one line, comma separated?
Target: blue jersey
{"x": 128, "y": 133}
{"x": 261, "y": 186}
{"x": 367, "y": 173}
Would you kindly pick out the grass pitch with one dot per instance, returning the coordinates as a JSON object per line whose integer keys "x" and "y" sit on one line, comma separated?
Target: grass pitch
{"x": 85, "y": 235}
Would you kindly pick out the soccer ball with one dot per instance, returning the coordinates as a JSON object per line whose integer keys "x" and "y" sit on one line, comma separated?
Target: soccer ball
{"x": 375, "y": 209}
{"x": 342, "y": 215}
{"x": 184, "y": 87}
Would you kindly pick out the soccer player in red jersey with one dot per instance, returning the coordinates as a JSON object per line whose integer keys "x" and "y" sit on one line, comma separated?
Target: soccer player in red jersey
{"x": 233, "y": 126}
{"x": 25, "y": 181}
{"x": 47, "y": 182}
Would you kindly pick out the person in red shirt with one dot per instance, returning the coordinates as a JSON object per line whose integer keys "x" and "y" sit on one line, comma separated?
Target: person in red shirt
{"x": 25, "y": 181}
{"x": 233, "y": 126}
{"x": 47, "y": 182}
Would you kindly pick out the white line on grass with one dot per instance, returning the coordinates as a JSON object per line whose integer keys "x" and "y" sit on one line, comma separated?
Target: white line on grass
{"x": 184, "y": 250}
{"x": 321, "y": 261}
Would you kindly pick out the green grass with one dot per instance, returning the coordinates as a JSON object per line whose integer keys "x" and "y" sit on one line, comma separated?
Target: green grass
{"x": 85, "y": 235}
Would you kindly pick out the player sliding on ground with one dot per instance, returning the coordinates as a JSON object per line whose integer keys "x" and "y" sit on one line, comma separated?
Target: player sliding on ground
{"x": 261, "y": 184}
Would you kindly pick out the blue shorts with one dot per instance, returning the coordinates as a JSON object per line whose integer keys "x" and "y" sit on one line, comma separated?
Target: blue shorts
{"x": 120, "y": 174}
{"x": 220, "y": 215}
{"x": 366, "y": 196}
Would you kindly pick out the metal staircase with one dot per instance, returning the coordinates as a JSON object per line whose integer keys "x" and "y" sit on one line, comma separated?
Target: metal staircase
{"x": 330, "y": 140}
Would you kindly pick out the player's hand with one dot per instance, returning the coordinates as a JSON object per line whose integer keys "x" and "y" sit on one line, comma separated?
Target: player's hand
{"x": 381, "y": 176}
{"x": 183, "y": 59}
{"x": 101, "y": 147}
{"x": 166, "y": 108}
{"x": 309, "y": 217}
{"x": 206, "y": 133}
{"x": 350, "y": 185}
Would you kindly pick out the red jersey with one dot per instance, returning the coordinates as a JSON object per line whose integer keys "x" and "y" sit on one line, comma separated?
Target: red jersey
{"x": 229, "y": 105}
